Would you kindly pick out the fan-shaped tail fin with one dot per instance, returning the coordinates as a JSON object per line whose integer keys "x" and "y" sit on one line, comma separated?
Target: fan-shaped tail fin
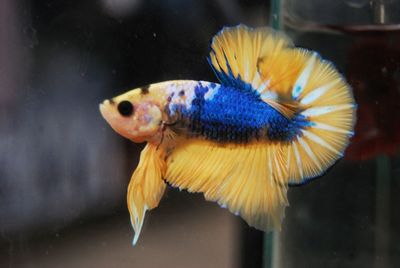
{"x": 326, "y": 118}
{"x": 297, "y": 83}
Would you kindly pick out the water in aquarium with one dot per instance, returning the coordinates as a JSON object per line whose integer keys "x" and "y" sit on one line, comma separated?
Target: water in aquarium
{"x": 351, "y": 222}
{"x": 65, "y": 172}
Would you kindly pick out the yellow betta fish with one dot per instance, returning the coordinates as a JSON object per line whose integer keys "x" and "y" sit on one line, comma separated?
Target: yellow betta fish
{"x": 279, "y": 116}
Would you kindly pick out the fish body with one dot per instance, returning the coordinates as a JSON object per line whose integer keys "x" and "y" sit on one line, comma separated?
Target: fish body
{"x": 214, "y": 111}
{"x": 280, "y": 116}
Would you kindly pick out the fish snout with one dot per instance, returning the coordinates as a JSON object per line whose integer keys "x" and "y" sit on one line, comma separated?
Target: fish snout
{"x": 104, "y": 106}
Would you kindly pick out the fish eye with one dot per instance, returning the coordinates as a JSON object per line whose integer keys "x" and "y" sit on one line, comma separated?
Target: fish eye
{"x": 125, "y": 108}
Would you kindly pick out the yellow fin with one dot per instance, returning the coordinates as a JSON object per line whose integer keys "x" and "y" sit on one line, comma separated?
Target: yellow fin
{"x": 237, "y": 51}
{"x": 260, "y": 57}
{"x": 248, "y": 179}
{"x": 146, "y": 186}
{"x": 281, "y": 70}
{"x": 294, "y": 81}
{"x": 327, "y": 103}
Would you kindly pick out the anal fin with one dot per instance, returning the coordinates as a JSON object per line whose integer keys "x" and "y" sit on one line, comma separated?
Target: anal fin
{"x": 248, "y": 179}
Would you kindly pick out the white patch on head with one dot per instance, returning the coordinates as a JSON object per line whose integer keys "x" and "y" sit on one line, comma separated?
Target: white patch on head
{"x": 189, "y": 93}
{"x": 182, "y": 93}
{"x": 174, "y": 89}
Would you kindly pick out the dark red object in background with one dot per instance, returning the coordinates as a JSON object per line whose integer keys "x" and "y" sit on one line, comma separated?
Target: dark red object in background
{"x": 374, "y": 73}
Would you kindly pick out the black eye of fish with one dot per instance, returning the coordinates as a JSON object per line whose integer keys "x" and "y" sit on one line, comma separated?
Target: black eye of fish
{"x": 125, "y": 108}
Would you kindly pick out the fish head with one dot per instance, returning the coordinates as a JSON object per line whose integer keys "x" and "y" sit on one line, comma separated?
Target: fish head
{"x": 136, "y": 115}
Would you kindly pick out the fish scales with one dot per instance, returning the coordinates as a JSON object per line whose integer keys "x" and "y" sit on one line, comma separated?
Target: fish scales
{"x": 229, "y": 115}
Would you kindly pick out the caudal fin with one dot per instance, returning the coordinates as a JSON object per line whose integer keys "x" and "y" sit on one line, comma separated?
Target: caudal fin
{"x": 297, "y": 83}
{"x": 326, "y": 103}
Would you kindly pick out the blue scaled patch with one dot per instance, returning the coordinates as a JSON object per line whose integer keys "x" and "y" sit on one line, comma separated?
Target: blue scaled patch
{"x": 237, "y": 115}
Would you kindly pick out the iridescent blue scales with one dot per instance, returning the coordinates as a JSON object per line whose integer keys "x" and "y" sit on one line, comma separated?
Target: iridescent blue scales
{"x": 280, "y": 116}
{"x": 216, "y": 114}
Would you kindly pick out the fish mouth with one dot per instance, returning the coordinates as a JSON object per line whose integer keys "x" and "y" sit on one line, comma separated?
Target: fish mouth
{"x": 106, "y": 102}
{"x": 103, "y": 107}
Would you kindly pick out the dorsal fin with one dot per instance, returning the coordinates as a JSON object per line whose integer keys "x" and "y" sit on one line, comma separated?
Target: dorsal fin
{"x": 238, "y": 57}
{"x": 237, "y": 51}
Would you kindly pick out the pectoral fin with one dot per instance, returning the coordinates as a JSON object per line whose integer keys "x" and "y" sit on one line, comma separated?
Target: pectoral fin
{"x": 146, "y": 186}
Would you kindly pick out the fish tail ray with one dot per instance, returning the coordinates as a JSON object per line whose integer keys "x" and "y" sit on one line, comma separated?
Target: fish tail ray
{"x": 146, "y": 186}
{"x": 249, "y": 180}
{"x": 326, "y": 119}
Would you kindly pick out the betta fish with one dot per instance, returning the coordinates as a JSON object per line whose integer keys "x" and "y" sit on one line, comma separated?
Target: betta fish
{"x": 279, "y": 116}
